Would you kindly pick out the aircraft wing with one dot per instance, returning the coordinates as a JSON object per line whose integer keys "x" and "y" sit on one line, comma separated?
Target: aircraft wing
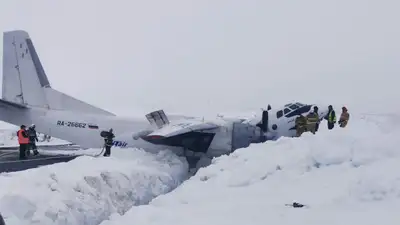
{"x": 184, "y": 125}
{"x": 181, "y": 128}
{"x": 194, "y": 134}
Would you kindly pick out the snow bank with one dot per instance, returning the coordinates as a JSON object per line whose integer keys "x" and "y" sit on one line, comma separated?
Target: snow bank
{"x": 88, "y": 190}
{"x": 345, "y": 176}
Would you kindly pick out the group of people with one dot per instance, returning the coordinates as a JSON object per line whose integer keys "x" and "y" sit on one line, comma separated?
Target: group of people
{"x": 310, "y": 123}
{"x": 27, "y": 139}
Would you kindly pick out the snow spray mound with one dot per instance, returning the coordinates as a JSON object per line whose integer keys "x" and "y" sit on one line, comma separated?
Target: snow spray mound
{"x": 343, "y": 175}
{"x": 87, "y": 190}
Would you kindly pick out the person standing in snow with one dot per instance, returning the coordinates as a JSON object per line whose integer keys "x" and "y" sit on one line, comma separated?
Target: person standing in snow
{"x": 312, "y": 120}
{"x": 344, "y": 117}
{"x": 301, "y": 123}
{"x": 23, "y": 141}
{"x": 319, "y": 119}
{"x": 46, "y": 138}
{"x": 32, "y": 139}
{"x": 331, "y": 117}
{"x": 108, "y": 141}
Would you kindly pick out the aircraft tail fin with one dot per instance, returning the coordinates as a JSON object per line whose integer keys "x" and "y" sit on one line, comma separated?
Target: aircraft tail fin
{"x": 23, "y": 74}
{"x": 25, "y": 81}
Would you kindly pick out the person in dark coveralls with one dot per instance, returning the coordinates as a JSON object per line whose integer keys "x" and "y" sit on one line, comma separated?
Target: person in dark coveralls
{"x": 108, "y": 141}
{"x": 23, "y": 140}
{"x": 32, "y": 139}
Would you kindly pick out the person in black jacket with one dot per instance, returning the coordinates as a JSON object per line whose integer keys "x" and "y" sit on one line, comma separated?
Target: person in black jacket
{"x": 108, "y": 141}
{"x": 33, "y": 139}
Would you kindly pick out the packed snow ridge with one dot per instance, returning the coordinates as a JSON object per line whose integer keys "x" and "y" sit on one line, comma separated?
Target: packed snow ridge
{"x": 344, "y": 176}
{"x": 87, "y": 190}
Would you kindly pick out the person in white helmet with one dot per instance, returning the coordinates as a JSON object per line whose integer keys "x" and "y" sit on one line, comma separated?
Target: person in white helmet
{"x": 32, "y": 139}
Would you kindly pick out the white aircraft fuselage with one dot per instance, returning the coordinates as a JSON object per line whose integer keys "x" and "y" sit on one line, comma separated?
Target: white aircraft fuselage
{"x": 28, "y": 98}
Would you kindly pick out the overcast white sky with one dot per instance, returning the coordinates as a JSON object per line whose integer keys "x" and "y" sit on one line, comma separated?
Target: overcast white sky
{"x": 210, "y": 56}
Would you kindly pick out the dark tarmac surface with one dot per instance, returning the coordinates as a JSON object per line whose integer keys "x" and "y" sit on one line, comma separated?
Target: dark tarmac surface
{"x": 10, "y": 162}
{"x": 9, "y": 158}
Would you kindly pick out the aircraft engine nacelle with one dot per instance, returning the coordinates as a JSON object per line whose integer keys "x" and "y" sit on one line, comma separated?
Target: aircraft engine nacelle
{"x": 244, "y": 134}
{"x": 233, "y": 136}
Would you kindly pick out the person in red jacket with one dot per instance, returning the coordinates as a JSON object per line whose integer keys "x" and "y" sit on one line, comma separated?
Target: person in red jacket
{"x": 23, "y": 140}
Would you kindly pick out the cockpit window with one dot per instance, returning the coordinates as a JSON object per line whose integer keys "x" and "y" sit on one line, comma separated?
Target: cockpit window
{"x": 279, "y": 114}
{"x": 294, "y": 107}
{"x": 300, "y": 104}
{"x": 286, "y": 110}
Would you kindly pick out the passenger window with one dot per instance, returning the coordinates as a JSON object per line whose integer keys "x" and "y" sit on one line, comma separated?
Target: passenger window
{"x": 279, "y": 114}
{"x": 286, "y": 111}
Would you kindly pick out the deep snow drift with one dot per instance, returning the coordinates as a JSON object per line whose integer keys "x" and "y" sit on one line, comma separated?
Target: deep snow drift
{"x": 345, "y": 176}
{"x": 87, "y": 190}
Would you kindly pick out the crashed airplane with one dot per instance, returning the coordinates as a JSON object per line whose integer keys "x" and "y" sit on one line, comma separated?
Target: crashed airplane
{"x": 28, "y": 98}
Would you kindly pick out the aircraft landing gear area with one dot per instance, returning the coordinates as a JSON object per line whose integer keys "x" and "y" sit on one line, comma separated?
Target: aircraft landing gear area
{"x": 9, "y": 158}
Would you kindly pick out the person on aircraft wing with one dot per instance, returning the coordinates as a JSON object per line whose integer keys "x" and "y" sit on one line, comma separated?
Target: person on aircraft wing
{"x": 312, "y": 120}
{"x": 32, "y": 139}
{"x": 331, "y": 117}
{"x": 108, "y": 141}
{"x": 344, "y": 117}
{"x": 23, "y": 140}
{"x": 301, "y": 123}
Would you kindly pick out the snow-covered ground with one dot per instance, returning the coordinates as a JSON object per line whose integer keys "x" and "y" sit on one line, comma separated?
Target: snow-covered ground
{"x": 88, "y": 190}
{"x": 344, "y": 176}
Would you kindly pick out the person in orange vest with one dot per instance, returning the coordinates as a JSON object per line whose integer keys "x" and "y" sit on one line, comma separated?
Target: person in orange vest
{"x": 23, "y": 140}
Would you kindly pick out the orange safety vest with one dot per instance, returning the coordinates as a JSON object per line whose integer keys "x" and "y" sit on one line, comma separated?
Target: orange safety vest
{"x": 21, "y": 138}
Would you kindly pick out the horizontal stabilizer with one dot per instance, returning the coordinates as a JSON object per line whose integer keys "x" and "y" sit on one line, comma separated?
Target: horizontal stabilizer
{"x": 11, "y": 104}
{"x": 59, "y": 101}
